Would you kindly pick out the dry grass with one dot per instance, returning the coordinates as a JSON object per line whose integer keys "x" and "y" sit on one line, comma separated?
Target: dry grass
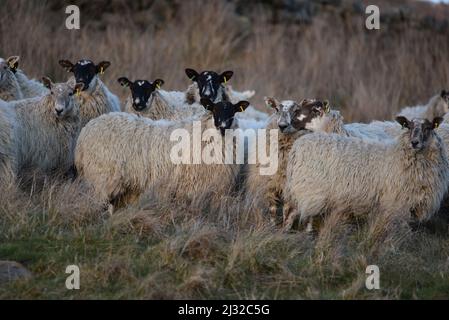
{"x": 159, "y": 249}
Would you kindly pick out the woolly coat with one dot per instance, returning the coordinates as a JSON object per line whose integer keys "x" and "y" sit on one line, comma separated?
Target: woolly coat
{"x": 96, "y": 101}
{"x": 122, "y": 155}
{"x": 8, "y": 146}
{"x": 436, "y": 107}
{"x": 30, "y": 88}
{"x": 334, "y": 173}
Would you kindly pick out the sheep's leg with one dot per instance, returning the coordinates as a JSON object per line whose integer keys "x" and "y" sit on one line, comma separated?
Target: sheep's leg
{"x": 273, "y": 214}
{"x": 309, "y": 228}
{"x": 288, "y": 224}
{"x": 111, "y": 209}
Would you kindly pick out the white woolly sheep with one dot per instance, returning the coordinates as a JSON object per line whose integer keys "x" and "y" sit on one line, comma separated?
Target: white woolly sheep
{"x": 328, "y": 172}
{"x": 9, "y": 86}
{"x": 437, "y": 107}
{"x": 266, "y": 191}
{"x": 95, "y": 99}
{"x": 47, "y": 129}
{"x": 30, "y": 88}
{"x": 121, "y": 155}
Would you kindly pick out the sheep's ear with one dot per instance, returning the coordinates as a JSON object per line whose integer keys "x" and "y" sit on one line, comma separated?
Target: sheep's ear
{"x": 226, "y": 76}
{"x": 158, "y": 83}
{"x": 47, "y": 82}
{"x": 207, "y": 104}
{"x": 403, "y": 121}
{"x": 241, "y": 106}
{"x": 13, "y": 62}
{"x": 124, "y": 82}
{"x": 78, "y": 88}
{"x": 102, "y": 66}
{"x": 67, "y": 65}
{"x": 436, "y": 122}
{"x": 271, "y": 103}
{"x": 192, "y": 74}
{"x": 445, "y": 94}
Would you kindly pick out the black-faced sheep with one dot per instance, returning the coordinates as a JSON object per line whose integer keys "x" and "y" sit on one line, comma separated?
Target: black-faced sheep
{"x": 95, "y": 99}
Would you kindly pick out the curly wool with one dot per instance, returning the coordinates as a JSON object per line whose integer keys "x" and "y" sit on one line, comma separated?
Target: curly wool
{"x": 122, "y": 155}
{"x": 328, "y": 173}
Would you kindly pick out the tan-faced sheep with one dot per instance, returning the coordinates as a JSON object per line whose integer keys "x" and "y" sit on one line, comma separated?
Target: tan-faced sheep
{"x": 30, "y": 88}
{"x": 121, "y": 155}
{"x": 9, "y": 86}
{"x": 8, "y": 146}
{"x": 47, "y": 129}
{"x": 408, "y": 176}
{"x": 266, "y": 191}
{"x": 95, "y": 99}
{"x": 436, "y": 107}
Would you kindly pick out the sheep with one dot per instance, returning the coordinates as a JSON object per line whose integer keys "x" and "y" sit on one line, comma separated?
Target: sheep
{"x": 148, "y": 100}
{"x": 8, "y": 147}
{"x": 121, "y": 155}
{"x": 266, "y": 191}
{"x": 30, "y": 88}
{"x": 9, "y": 86}
{"x": 320, "y": 118}
{"x": 95, "y": 99}
{"x": 329, "y": 172}
{"x": 47, "y": 129}
{"x": 436, "y": 107}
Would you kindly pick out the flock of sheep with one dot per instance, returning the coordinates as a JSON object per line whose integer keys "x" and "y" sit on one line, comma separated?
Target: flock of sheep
{"x": 79, "y": 128}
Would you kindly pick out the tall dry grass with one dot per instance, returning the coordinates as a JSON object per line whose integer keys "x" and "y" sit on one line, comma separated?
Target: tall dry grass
{"x": 159, "y": 248}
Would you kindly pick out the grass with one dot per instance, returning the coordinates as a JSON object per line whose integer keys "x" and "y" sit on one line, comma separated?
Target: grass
{"x": 160, "y": 249}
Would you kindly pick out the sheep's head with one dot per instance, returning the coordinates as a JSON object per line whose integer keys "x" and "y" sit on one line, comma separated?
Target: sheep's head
{"x": 63, "y": 96}
{"x": 85, "y": 71}
{"x": 224, "y": 112}
{"x": 8, "y": 67}
{"x": 210, "y": 83}
{"x": 313, "y": 111}
{"x": 290, "y": 115}
{"x": 141, "y": 91}
{"x": 421, "y": 131}
{"x": 445, "y": 98}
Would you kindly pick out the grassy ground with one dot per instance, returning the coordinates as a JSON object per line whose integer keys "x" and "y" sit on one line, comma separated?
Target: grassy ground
{"x": 165, "y": 249}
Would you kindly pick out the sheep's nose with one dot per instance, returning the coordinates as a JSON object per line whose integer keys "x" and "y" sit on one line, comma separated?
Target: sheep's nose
{"x": 415, "y": 144}
{"x": 58, "y": 111}
{"x": 283, "y": 126}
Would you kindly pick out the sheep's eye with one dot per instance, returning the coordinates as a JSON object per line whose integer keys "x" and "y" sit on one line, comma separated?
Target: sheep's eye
{"x": 70, "y": 94}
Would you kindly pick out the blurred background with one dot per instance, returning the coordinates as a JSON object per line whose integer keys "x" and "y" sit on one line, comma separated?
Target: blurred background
{"x": 291, "y": 49}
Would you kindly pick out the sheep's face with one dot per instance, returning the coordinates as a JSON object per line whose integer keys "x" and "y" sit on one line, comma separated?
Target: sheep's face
{"x": 141, "y": 91}
{"x": 8, "y": 68}
{"x": 224, "y": 112}
{"x": 85, "y": 71}
{"x": 63, "y": 96}
{"x": 421, "y": 131}
{"x": 312, "y": 111}
{"x": 210, "y": 83}
{"x": 289, "y": 116}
